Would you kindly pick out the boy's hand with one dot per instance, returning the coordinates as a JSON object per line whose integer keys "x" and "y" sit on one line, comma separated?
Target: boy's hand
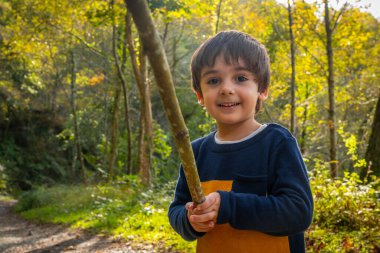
{"x": 203, "y": 216}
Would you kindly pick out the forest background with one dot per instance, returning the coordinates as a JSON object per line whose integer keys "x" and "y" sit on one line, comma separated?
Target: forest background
{"x": 84, "y": 139}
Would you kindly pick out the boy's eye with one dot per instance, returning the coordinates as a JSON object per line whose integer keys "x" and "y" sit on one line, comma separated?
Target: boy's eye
{"x": 241, "y": 78}
{"x": 213, "y": 81}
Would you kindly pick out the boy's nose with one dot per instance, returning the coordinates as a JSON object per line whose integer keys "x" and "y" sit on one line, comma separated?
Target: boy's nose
{"x": 227, "y": 88}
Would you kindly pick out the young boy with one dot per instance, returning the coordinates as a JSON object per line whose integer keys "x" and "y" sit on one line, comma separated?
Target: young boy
{"x": 258, "y": 197}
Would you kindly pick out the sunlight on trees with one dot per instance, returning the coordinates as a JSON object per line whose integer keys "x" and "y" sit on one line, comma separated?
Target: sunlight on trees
{"x": 79, "y": 103}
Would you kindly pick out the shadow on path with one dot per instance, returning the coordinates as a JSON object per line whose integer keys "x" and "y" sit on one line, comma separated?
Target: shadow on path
{"x": 18, "y": 235}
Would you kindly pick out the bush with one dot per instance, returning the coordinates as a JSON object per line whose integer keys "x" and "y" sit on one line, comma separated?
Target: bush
{"x": 346, "y": 213}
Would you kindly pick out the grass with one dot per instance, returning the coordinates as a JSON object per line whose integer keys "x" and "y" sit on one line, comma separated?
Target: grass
{"x": 123, "y": 209}
{"x": 6, "y": 198}
{"x": 346, "y": 212}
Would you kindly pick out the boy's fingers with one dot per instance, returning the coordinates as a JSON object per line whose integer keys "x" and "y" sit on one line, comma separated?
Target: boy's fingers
{"x": 209, "y": 203}
{"x": 203, "y": 211}
{"x": 189, "y": 206}
{"x": 204, "y": 226}
{"x": 205, "y": 205}
{"x": 203, "y": 217}
{"x": 206, "y": 209}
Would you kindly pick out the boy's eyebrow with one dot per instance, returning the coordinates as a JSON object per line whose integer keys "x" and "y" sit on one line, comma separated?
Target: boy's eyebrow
{"x": 214, "y": 71}
{"x": 211, "y": 71}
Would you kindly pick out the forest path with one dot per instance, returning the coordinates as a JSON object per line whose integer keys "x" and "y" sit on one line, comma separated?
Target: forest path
{"x": 18, "y": 235}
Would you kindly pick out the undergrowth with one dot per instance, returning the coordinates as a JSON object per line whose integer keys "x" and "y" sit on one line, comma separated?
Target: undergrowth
{"x": 346, "y": 211}
{"x": 123, "y": 209}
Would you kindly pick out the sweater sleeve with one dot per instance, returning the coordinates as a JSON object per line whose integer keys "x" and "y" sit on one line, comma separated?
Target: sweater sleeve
{"x": 177, "y": 212}
{"x": 288, "y": 207}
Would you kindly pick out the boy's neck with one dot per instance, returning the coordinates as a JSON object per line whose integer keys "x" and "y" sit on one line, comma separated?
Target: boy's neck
{"x": 236, "y": 132}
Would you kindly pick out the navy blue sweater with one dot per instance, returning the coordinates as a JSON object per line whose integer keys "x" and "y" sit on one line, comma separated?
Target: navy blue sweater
{"x": 264, "y": 189}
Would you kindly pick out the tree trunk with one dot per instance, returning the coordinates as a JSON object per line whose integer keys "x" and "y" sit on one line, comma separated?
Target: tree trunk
{"x": 114, "y": 133}
{"x": 74, "y": 112}
{"x": 293, "y": 78}
{"x": 146, "y": 132}
{"x": 218, "y": 16}
{"x": 127, "y": 124}
{"x": 115, "y": 111}
{"x": 176, "y": 40}
{"x": 106, "y": 130}
{"x": 153, "y": 46}
{"x": 331, "y": 87}
{"x": 372, "y": 155}
{"x": 304, "y": 125}
{"x": 119, "y": 68}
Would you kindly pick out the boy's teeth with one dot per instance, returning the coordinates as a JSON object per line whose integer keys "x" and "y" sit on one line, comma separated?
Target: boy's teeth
{"x": 228, "y": 104}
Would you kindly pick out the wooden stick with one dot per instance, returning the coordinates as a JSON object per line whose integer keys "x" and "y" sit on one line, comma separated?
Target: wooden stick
{"x": 157, "y": 58}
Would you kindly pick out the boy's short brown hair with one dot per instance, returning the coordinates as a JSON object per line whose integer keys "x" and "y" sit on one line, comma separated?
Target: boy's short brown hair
{"x": 232, "y": 45}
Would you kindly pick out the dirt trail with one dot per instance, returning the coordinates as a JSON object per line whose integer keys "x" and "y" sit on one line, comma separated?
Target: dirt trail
{"x": 18, "y": 235}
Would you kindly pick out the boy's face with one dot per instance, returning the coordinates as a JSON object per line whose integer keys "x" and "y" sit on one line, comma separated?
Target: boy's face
{"x": 230, "y": 93}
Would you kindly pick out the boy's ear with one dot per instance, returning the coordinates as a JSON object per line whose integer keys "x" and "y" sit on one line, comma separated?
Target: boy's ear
{"x": 199, "y": 97}
{"x": 264, "y": 95}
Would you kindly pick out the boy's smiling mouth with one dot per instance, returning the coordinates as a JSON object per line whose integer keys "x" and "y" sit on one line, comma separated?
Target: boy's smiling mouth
{"x": 229, "y": 105}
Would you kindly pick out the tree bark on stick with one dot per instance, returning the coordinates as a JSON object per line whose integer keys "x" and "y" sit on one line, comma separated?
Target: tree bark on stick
{"x": 154, "y": 49}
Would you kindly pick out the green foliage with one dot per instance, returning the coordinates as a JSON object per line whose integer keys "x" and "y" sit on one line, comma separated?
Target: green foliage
{"x": 351, "y": 144}
{"x": 23, "y": 168}
{"x": 37, "y": 149}
{"x": 170, "y": 5}
{"x": 209, "y": 124}
{"x": 346, "y": 215}
{"x": 160, "y": 143}
{"x": 346, "y": 212}
{"x": 36, "y": 68}
{"x": 123, "y": 208}
{"x": 3, "y": 179}
{"x": 164, "y": 163}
